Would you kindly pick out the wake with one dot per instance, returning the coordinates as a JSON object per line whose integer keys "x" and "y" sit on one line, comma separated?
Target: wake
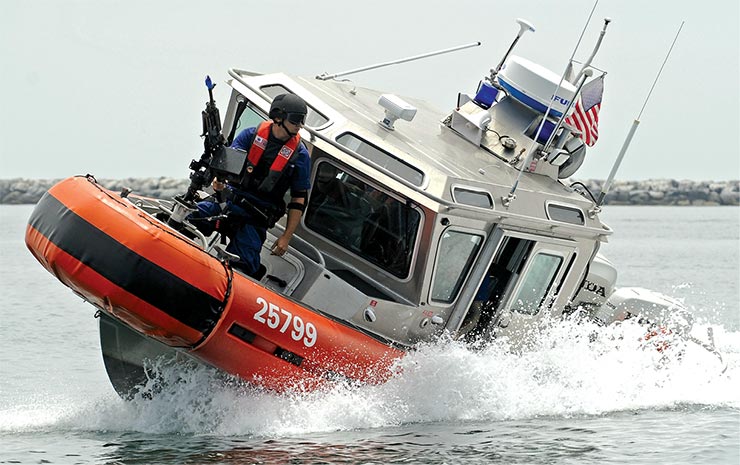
{"x": 568, "y": 370}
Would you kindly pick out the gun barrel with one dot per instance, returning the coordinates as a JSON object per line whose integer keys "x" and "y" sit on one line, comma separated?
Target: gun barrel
{"x": 201, "y": 174}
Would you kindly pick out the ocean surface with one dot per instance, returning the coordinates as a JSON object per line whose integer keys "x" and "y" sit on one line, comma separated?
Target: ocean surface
{"x": 571, "y": 400}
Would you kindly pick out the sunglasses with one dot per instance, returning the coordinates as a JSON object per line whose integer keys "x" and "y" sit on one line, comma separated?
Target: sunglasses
{"x": 296, "y": 118}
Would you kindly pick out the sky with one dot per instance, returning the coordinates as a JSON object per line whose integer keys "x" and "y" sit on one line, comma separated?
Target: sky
{"x": 115, "y": 88}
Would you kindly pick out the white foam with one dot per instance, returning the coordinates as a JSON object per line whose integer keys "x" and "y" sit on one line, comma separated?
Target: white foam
{"x": 565, "y": 373}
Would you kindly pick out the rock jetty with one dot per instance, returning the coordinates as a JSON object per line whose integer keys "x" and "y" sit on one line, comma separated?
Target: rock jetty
{"x": 668, "y": 192}
{"x": 29, "y": 191}
{"x": 650, "y": 192}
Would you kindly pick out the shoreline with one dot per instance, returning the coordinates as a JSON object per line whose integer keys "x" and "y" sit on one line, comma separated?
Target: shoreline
{"x": 19, "y": 191}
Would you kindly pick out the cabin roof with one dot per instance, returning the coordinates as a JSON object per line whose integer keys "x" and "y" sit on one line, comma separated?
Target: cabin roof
{"x": 443, "y": 155}
{"x": 446, "y": 158}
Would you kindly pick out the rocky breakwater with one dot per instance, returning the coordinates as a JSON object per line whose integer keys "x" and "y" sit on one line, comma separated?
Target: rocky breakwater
{"x": 650, "y": 192}
{"x": 668, "y": 192}
{"x": 29, "y": 191}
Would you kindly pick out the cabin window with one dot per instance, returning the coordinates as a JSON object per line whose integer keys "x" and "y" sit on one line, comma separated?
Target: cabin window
{"x": 250, "y": 117}
{"x": 456, "y": 254}
{"x": 382, "y": 158}
{"x": 314, "y": 119}
{"x": 565, "y": 214}
{"x": 535, "y": 284}
{"x": 472, "y": 197}
{"x": 363, "y": 219}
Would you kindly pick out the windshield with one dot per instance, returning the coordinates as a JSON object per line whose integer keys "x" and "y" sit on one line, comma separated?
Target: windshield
{"x": 363, "y": 219}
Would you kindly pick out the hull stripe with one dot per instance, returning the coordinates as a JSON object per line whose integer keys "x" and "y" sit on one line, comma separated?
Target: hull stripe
{"x": 123, "y": 267}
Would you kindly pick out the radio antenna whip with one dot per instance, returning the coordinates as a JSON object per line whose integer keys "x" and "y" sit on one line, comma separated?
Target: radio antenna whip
{"x": 327, "y": 76}
{"x": 596, "y": 49}
{"x": 628, "y": 139}
{"x": 585, "y": 70}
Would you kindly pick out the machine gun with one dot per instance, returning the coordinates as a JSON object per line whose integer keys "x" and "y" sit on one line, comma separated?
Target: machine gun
{"x": 217, "y": 160}
{"x": 213, "y": 141}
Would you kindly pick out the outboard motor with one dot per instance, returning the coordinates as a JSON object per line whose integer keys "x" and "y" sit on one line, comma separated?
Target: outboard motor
{"x": 664, "y": 317}
{"x": 605, "y": 304}
{"x": 597, "y": 287}
{"x": 649, "y": 306}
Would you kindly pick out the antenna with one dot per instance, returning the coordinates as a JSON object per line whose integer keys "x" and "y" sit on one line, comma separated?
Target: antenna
{"x": 628, "y": 139}
{"x": 524, "y": 26}
{"x": 596, "y": 49}
{"x": 327, "y": 76}
{"x": 506, "y": 201}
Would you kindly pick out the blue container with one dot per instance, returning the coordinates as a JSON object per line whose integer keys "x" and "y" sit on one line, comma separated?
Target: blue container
{"x": 545, "y": 132}
{"x": 486, "y": 94}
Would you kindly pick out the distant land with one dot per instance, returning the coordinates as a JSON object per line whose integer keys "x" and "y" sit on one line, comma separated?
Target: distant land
{"x": 650, "y": 192}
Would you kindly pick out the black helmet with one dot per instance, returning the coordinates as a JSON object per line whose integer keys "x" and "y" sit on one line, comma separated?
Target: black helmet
{"x": 289, "y": 107}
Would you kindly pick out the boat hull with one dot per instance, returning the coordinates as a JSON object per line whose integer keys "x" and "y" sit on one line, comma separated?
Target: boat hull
{"x": 129, "y": 356}
{"x": 162, "y": 286}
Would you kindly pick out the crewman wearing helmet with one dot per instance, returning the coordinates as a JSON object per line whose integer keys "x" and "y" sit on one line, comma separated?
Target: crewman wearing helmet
{"x": 277, "y": 162}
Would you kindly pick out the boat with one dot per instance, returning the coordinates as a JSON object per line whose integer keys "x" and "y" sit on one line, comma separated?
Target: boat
{"x": 420, "y": 224}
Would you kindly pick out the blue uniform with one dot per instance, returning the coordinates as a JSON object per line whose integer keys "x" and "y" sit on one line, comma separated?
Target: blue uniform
{"x": 249, "y": 237}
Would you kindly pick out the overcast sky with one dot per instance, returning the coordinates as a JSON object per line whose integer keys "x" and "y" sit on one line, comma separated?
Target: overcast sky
{"x": 115, "y": 88}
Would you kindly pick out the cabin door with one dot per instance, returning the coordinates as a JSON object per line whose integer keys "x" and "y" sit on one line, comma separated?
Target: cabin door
{"x": 530, "y": 298}
{"x": 520, "y": 285}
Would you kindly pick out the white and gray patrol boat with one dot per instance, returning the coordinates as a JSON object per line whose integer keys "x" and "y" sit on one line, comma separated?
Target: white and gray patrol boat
{"x": 420, "y": 224}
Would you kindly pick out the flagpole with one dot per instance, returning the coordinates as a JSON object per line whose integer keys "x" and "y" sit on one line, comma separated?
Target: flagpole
{"x": 628, "y": 139}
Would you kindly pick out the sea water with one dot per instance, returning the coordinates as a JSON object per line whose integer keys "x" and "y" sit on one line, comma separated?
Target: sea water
{"x": 574, "y": 398}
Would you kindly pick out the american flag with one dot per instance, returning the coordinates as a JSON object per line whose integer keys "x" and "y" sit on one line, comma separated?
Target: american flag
{"x": 585, "y": 117}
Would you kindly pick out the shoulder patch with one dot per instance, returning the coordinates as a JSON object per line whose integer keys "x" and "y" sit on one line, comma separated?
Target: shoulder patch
{"x": 286, "y": 152}
{"x": 260, "y": 142}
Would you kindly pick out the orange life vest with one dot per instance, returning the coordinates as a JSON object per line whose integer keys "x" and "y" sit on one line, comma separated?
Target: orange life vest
{"x": 258, "y": 148}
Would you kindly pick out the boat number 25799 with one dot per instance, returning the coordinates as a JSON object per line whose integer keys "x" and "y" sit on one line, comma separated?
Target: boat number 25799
{"x": 278, "y": 318}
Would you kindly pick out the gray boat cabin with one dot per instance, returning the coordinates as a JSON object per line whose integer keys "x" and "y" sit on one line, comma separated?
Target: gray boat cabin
{"x": 410, "y": 230}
